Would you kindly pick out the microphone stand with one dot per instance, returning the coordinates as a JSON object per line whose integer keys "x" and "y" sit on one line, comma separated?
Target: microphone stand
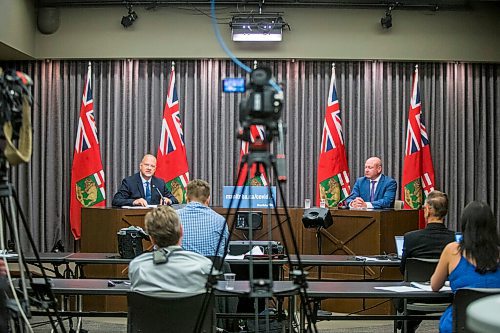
{"x": 163, "y": 202}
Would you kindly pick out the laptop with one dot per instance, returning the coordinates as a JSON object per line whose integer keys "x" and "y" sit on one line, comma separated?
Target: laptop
{"x": 399, "y": 245}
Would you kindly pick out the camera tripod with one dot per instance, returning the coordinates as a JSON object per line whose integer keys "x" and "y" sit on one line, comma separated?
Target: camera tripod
{"x": 11, "y": 215}
{"x": 259, "y": 155}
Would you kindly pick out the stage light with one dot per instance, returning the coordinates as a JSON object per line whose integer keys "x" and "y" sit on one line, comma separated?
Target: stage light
{"x": 257, "y": 28}
{"x": 129, "y": 19}
{"x": 386, "y": 20}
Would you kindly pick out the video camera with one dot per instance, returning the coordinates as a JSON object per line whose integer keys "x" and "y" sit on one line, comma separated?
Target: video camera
{"x": 262, "y": 106}
{"x": 15, "y": 116}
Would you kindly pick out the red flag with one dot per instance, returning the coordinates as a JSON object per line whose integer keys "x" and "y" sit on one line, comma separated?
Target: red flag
{"x": 87, "y": 175}
{"x": 172, "y": 165}
{"x": 333, "y": 183}
{"x": 257, "y": 133}
{"x": 418, "y": 172}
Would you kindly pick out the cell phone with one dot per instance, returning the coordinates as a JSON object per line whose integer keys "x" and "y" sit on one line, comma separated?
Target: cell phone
{"x": 458, "y": 237}
{"x": 234, "y": 85}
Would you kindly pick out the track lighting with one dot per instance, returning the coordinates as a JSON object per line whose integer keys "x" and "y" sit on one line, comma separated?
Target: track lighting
{"x": 129, "y": 19}
{"x": 386, "y": 21}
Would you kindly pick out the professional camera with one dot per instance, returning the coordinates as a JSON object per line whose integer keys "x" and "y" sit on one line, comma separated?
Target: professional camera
{"x": 15, "y": 116}
{"x": 261, "y": 107}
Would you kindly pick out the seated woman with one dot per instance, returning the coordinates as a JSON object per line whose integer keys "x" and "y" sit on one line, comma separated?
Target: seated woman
{"x": 472, "y": 263}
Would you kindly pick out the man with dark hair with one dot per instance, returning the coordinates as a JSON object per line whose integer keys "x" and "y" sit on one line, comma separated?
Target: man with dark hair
{"x": 429, "y": 242}
{"x": 169, "y": 267}
{"x": 202, "y": 226}
{"x": 143, "y": 188}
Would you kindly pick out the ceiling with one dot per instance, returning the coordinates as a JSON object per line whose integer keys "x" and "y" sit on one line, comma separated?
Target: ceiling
{"x": 283, "y": 3}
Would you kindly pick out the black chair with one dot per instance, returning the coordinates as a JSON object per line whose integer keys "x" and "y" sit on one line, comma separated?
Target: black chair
{"x": 463, "y": 297}
{"x": 420, "y": 270}
{"x": 168, "y": 312}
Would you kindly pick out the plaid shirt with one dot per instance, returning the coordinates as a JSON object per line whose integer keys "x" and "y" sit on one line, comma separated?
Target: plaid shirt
{"x": 202, "y": 229}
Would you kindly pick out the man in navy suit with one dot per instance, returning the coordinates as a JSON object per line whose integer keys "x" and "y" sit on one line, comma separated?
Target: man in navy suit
{"x": 143, "y": 188}
{"x": 374, "y": 190}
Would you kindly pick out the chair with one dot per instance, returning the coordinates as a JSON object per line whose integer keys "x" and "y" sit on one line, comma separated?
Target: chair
{"x": 168, "y": 312}
{"x": 463, "y": 297}
{"x": 421, "y": 270}
{"x": 399, "y": 204}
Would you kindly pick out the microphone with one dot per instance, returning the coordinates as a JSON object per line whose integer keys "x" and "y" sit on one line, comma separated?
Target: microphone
{"x": 159, "y": 192}
{"x": 340, "y": 204}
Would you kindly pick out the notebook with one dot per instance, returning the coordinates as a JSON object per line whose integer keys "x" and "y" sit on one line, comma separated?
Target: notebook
{"x": 399, "y": 245}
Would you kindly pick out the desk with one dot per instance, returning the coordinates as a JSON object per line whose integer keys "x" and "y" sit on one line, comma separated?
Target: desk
{"x": 368, "y": 232}
{"x": 315, "y": 290}
{"x": 54, "y": 258}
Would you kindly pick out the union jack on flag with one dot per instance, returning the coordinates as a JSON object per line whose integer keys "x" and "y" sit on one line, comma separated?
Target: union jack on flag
{"x": 257, "y": 132}
{"x": 82, "y": 141}
{"x": 416, "y": 137}
{"x": 333, "y": 184}
{"x": 172, "y": 165}
{"x": 418, "y": 172}
{"x": 87, "y": 174}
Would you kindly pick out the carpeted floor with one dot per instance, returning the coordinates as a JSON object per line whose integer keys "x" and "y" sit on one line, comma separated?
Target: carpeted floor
{"x": 116, "y": 325}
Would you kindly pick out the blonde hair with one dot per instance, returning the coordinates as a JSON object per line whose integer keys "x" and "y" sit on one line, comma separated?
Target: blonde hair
{"x": 198, "y": 190}
{"x": 163, "y": 225}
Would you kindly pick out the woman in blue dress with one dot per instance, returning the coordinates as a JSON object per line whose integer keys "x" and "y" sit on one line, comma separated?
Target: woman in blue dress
{"x": 472, "y": 263}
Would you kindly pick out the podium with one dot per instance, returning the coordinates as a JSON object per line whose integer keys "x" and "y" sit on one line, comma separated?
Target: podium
{"x": 99, "y": 228}
{"x": 360, "y": 232}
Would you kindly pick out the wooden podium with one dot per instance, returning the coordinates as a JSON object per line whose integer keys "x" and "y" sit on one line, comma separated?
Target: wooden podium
{"x": 99, "y": 228}
{"x": 354, "y": 232}
{"x": 360, "y": 232}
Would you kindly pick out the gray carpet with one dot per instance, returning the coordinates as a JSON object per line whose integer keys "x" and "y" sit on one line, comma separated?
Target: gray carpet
{"x": 106, "y": 325}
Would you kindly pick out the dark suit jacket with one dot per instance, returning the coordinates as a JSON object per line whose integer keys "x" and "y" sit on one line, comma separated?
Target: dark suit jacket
{"x": 132, "y": 188}
{"x": 426, "y": 243}
{"x": 384, "y": 195}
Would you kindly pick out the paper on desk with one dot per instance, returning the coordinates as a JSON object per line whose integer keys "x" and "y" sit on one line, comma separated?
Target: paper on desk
{"x": 427, "y": 287}
{"x": 366, "y": 258}
{"x": 256, "y": 251}
{"x": 399, "y": 289}
{"x": 140, "y": 207}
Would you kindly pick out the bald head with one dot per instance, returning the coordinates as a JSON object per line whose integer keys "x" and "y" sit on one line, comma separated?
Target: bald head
{"x": 373, "y": 167}
{"x": 148, "y": 166}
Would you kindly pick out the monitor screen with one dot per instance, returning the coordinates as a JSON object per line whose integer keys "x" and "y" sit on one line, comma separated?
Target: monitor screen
{"x": 234, "y": 85}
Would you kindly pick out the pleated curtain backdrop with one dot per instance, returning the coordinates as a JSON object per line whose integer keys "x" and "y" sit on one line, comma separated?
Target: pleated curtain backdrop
{"x": 460, "y": 103}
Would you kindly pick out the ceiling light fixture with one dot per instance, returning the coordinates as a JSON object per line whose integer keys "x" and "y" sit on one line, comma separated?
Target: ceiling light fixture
{"x": 129, "y": 19}
{"x": 386, "y": 21}
{"x": 257, "y": 27}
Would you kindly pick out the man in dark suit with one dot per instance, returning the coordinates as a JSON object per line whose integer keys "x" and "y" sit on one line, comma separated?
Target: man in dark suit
{"x": 374, "y": 190}
{"x": 429, "y": 242}
{"x": 143, "y": 188}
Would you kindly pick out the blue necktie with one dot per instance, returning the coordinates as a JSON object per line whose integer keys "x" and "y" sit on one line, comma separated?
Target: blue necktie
{"x": 372, "y": 191}
{"x": 148, "y": 193}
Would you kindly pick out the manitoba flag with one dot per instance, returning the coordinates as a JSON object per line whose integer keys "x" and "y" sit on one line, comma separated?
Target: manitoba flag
{"x": 333, "y": 183}
{"x": 418, "y": 172}
{"x": 257, "y": 133}
{"x": 87, "y": 175}
{"x": 171, "y": 164}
